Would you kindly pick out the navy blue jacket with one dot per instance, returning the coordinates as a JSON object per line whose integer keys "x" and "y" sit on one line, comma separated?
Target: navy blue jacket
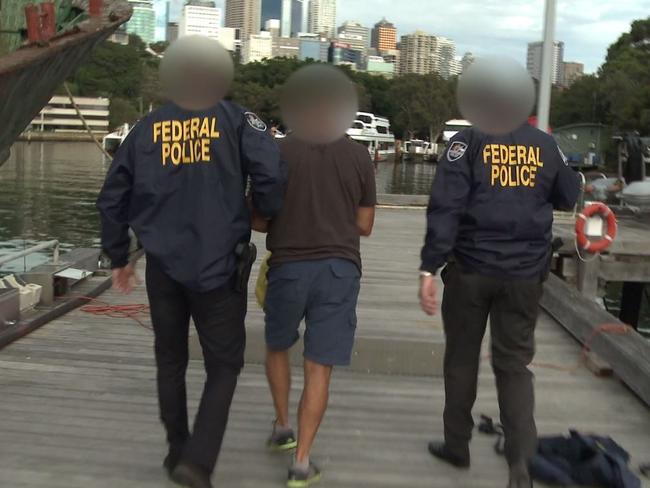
{"x": 492, "y": 202}
{"x": 179, "y": 181}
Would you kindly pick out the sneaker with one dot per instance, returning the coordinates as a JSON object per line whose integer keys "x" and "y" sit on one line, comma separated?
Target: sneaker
{"x": 281, "y": 441}
{"x": 303, "y": 479}
{"x": 172, "y": 459}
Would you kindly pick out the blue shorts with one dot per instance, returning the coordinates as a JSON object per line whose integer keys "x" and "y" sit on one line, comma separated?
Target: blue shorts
{"x": 324, "y": 292}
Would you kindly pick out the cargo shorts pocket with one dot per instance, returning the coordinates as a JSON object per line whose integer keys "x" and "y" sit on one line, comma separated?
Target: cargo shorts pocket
{"x": 344, "y": 281}
{"x": 283, "y": 284}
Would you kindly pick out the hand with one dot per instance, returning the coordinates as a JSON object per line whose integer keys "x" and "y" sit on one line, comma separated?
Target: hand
{"x": 428, "y": 291}
{"x": 125, "y": 279}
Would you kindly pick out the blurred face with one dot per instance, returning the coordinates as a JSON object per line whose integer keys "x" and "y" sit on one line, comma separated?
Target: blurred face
{"x": 319, "y": 104}
{"x": 496, "y": 94}
{"x": 196, "y": 72}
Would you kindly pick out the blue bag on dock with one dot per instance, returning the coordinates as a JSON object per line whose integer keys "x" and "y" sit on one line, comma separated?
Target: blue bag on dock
{"x": 585, "y": 460}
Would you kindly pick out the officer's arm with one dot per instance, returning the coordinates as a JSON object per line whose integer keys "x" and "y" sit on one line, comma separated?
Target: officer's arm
{"x": 449, "y": 195}
{"x": 566, "y": 186}
{"x": 262, "y": 162}
{"x": 113, "y": 204}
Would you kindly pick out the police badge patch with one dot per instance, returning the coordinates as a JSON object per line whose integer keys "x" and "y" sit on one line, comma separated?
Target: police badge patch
{"x": 255, "y": 122}
{"x": 456, "y": 150}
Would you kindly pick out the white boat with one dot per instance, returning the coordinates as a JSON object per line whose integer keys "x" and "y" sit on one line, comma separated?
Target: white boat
{"x": 112, "y": 141}
{"x": 375, "y": 133}
{"x": 453, "y": 127}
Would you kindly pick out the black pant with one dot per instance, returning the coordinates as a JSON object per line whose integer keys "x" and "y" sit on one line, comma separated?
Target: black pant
{"x": 219, "y": 319}
{"x": 512, "y": 306}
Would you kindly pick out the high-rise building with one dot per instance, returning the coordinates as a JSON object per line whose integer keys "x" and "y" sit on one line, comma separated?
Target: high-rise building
{"x": 271, "y": 9}
{"x": 200, "y": 17}
{"x": 466, "y": 62}
{"x": 171, "y": 31}
{"x": 445, "y": 57}
{"x": 384, "y": 36}
{"x": 229, "y": 39}
{"x": 257, "y": 47}
{"x": 285, "y": 19}
{"x": 244, "y": 15}
{"x": 343, "y": 54}
{"x": 312, "y": 46}
{"x": 273, "y": 26}
{"x": 143, "y": 20}
{"x": 534, "y": 60}
{"x": 322, "y": 17}
{"x": 418, "y": 53}
{"x": 286, "y": 47}
{"x": 354, "y": 34}
{"x": 571, "y": 72}
{"x": 377, "y": 65}
{"x": 299, "y": 16}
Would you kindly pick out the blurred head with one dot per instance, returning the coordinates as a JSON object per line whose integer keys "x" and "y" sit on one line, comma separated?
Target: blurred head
{"x": 319, "y": 103}
{"x": 496, "y": 94}
{"x": 196, "y": 72}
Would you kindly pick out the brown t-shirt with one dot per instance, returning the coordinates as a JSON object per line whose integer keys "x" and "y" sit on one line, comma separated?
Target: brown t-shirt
{"x": 326, "y": 186}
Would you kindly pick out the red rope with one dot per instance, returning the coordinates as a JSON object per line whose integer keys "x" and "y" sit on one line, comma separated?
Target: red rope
{"x": 138, "y": 312}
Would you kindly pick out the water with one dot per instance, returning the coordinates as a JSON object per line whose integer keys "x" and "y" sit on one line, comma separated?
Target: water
{"x": 48, "y": 191}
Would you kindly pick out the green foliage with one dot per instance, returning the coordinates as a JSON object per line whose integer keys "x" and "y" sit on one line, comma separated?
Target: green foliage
{"x": 121, "y": 111}
{"x": 619, "y": 95}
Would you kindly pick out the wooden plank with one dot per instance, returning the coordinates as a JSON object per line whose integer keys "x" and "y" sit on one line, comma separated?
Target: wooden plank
{"x": 629, "y": 354}
{"x": 614, "y": 270}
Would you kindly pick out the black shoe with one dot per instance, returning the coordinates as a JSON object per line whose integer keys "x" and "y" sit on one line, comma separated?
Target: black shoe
{"x": 440, "y": 450}
{"x": 171, "y": 460}
{"x": 191, "y": 476}
{"x": 520, "y": 477}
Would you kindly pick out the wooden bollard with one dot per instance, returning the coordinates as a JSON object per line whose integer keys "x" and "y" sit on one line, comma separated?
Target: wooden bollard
{"x": 48, "y": 20}
{"x": 95, "y": 7}
{"x": 41, "y": 21}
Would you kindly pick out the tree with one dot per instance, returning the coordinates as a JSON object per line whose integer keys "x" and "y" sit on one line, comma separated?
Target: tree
{"x": 122, "y": 111}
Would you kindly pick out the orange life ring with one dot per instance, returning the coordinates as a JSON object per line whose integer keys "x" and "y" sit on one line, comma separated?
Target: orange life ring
{"x": 603, "y": 243}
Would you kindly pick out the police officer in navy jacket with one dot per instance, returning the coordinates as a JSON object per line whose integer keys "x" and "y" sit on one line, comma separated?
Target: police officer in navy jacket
{"x": 179, "y": 181}
{"x": 489, "y": 224}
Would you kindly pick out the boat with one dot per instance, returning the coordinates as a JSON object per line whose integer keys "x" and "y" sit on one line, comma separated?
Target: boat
{"x": 375, "y": 133}
{"x": 419, "y": 149}
{"x": 31, "y": 71}
{"x": 111, "y": 142}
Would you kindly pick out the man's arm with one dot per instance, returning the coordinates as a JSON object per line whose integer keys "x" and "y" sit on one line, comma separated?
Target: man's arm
{"x": 566, "y": 186}
{"x": 262, "y": 162}
{"x": 366, "y": 210}
{"x": 365, "y": 220}
{"x": 113, "y": 204}
{"x": 449, "y": 195}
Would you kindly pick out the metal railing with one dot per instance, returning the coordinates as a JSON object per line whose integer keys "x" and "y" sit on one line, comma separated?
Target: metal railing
{"x": 31, "y": 250}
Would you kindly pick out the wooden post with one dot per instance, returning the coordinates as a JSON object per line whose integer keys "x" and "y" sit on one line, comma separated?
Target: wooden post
{"x": 588, "y": 274}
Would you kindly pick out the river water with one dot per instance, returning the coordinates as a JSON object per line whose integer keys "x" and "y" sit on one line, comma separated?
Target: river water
{"x": 48, "y": 191}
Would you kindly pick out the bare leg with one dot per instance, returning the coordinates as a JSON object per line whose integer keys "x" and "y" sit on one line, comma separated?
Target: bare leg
{"x": 278, "y": 373}
{"x": 312, "y": 406}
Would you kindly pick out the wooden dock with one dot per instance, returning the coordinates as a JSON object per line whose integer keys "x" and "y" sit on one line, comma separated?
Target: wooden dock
{"x": 78, "y": 406}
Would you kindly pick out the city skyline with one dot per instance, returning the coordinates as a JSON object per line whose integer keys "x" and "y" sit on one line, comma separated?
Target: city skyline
{"x": 587, "y": 29}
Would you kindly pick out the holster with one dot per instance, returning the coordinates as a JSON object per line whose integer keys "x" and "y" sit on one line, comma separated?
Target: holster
{"x": 246, "y": 253}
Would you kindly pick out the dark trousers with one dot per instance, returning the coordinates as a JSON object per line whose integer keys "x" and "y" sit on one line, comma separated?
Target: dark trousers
{"x": 219, "y": 319}
{"x": 512, "y": 306}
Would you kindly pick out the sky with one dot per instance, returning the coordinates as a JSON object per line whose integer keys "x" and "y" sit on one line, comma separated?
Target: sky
{"x": 497, "y": 27}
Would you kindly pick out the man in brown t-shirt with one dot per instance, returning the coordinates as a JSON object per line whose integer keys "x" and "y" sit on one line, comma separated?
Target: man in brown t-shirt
{"x": 315, "y": 266}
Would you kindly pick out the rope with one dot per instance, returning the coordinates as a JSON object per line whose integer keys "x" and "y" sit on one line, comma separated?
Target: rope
{"x": 607, "y": 328}
{"x": 83, "y": 121}
{"x": 138, "y": 312}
